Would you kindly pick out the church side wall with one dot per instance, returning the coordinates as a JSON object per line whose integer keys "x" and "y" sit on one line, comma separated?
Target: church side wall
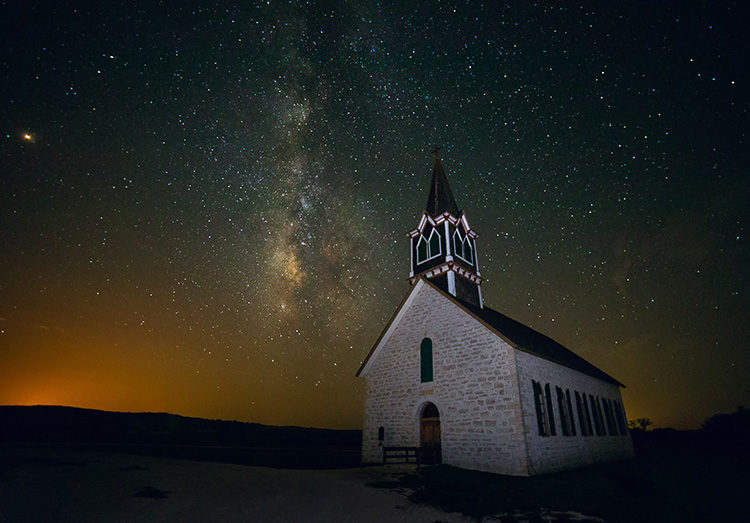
{"x": 474, "y": 387}
{"x": 552, "y": 453}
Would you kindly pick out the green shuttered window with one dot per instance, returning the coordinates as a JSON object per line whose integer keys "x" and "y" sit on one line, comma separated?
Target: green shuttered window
{"x": 425, "y": 358}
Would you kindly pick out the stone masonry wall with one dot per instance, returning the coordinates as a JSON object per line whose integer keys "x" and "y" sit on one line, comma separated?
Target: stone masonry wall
{"x": 475, "y": 388}
{"x": 551, "y": 453}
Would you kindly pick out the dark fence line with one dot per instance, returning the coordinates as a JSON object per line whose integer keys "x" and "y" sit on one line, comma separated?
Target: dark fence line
{"x": 401, "y": 454}
{"x": 418, "y": 455}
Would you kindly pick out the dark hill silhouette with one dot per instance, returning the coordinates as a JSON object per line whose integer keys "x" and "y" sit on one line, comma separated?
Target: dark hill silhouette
{"x": 179, "y": 436}
{"x": 723, "y": 432}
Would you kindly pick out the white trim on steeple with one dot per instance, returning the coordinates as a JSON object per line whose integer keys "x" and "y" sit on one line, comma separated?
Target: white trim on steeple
{"x": 445, "y": 217}
{"x": 476, "y": 259}
{"x": 447, "y": 241}
{"x": 411, "y": 256}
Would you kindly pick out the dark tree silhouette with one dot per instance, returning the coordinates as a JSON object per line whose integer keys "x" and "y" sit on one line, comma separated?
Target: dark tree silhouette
{"x": 639, "y": 424}
{"x": 734, "y": 427}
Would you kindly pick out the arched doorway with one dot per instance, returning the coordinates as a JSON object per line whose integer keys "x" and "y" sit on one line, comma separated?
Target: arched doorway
{"x": 429, "y": 434}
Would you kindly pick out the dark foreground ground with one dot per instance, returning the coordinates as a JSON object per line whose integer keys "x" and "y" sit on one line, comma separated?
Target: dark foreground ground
{"x": 664, "y": 485}
{"x": 666, "y": 482}
{"x": 47, "y": 484}
{"x": 64, "y": 464}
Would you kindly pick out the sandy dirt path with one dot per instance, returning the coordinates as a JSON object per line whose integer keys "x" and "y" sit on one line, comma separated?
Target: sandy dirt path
{"x": 47, "y": 485}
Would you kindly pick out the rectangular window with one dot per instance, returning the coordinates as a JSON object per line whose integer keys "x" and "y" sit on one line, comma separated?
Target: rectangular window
{"x": 602, "y": 419}
{"x": 541, "y": 416}
{"x": 607, "y": 417}
{"x": 563, "y": 410}
{"x": 570, "y": 412}
{"x": 589, "y": 427}
{"x": 615, "y": 416}
{"x": 550, "y": 414}
{"x": 611, "y": 406}
{"x": 620, "y": 419}
{"x": 613, "y": 413}
{"x": 597, "y": 415}
{"x": 581, "y": 417}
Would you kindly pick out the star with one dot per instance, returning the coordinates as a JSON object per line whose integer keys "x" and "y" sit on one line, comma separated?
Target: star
{"x": 246, "y": 180}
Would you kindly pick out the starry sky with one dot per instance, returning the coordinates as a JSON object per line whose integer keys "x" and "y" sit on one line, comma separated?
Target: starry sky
{"x": 204, "y": 210}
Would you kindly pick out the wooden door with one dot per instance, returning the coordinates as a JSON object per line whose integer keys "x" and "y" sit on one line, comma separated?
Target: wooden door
{"x": 429, "y": 434}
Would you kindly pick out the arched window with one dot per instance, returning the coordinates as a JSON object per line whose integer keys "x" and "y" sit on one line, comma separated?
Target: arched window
{"x": 422, "y": 249}
{"x": 458, "y": 244}
{"x": 462, "y": 247}
{"x": 467, "y": 250}
{"x": 425, "y": 360}
{"x": 428, "y": 248}
{"x": 434, "y": 243}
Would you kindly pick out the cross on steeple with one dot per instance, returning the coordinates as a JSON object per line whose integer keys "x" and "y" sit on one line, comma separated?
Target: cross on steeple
{"x": 436, "y": 151}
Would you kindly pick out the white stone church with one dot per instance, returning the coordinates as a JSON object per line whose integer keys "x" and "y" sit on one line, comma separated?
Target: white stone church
{"x": 470, "y": 386}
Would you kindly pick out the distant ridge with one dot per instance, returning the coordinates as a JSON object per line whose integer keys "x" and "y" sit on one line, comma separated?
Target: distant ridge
{"x": 55, "y": 424}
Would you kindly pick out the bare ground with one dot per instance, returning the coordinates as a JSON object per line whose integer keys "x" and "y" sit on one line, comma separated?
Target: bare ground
{"x": 38, "y": 484}
{"x": 663, "y": 484}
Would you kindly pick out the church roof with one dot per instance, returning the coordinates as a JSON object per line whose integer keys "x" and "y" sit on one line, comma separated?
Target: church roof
{"x": 528, "y": 340}
{"x": 518, "y": 335}
{"x": 441, "y": 197}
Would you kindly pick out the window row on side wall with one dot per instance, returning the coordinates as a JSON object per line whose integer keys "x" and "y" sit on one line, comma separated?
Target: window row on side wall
{"x": 608, "y": 415}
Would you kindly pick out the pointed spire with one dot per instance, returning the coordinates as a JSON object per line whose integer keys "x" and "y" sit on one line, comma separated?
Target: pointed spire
{"x": 440, "y": 198}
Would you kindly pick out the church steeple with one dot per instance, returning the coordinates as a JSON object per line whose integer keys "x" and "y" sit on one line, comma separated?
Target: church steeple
{"x": 441, "y": 197}
{"x": 443, "y": 246}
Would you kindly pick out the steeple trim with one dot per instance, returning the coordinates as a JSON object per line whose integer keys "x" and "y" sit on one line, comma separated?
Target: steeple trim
{"x": 445, "y": 217}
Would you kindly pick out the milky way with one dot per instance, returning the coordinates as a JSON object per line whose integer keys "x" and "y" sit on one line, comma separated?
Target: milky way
{"x": 204, "y": 211}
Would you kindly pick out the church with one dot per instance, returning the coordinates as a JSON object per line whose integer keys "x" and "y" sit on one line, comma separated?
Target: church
{"x": 471, "y": 387}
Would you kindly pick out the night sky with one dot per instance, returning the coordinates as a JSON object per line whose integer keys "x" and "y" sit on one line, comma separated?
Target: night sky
{"x": 204, "y": 211}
